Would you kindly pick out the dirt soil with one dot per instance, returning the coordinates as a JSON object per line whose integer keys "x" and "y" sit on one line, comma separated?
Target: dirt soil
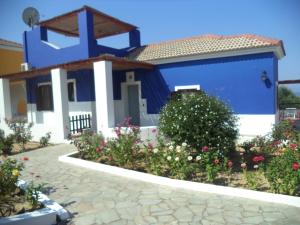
{"x": 15, "y": 204}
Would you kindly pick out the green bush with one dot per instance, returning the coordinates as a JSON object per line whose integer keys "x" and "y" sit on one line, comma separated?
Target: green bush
{"x": 88, "y": 143}
{"x": 6, "y": 143}
{"x": 285, "y": 131}
{"x": 9, "y": 173}
{"x": 21, "y": 130}
{"x": 124, "y": 148}
{"x": 200, "y": 120}
{"x": 44, "y": 141}
{"x": 283, "y": 172}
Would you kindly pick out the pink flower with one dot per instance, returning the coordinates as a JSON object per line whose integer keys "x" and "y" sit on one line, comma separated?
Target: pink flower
{"x": 295, "y": 166}
{"x": 205, "y": 149}
{"x": 98, "y": 149}
{"x": 25, "y": 158}
{"x": 153, "y": 130}
{"x": 258, "y": 159}
{"x": 150, "y": 146}
{"x": 293, "y": 146}
{"x": 216, "y": 161}
{"x": 229, "y": 163}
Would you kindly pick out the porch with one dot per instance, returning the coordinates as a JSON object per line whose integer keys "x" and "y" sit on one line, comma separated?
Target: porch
{"x": 105, "y": 112}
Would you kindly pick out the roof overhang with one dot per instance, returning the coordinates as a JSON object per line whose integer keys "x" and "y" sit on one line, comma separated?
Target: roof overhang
{"x": 117, "y": 64}
{"x": 289, "y": 82}
{"x": 104, "y": 25}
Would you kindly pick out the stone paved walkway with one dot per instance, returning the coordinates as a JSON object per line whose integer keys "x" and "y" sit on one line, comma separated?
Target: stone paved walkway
{"x": 98, "y": 198}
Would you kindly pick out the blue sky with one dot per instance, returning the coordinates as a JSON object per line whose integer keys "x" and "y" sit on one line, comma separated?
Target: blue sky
{"x": 161, "y": 20}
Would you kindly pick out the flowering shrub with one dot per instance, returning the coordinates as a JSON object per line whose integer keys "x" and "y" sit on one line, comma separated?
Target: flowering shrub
{"x": 285, "y": 131}
{"x": 283, "y": 172}
{"x": 124, "y": 148}
{"x": 211, "y": 161}
{"x": 9, "y": 173}
{"x": 200, "y": 120}
{"x": 87, "y": 144}
{"x": 21, "y": 131}
{"x": 6, "y": 143}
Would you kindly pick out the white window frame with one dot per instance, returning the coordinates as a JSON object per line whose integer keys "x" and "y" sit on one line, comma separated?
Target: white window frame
{"x": 186, "y": 87}
{"x": 75, "y": 90}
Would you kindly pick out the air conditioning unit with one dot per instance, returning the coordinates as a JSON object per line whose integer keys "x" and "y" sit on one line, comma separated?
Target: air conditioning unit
{"x": 25, "y": 67}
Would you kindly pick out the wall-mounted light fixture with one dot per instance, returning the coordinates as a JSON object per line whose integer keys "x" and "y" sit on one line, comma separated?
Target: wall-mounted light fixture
{"x": 264, "y": 76}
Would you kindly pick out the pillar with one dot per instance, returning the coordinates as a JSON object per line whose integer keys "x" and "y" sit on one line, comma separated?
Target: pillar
{"x": 5, "y": 102}
{"x": 60, "y": 102}
{"x": 105, "y": 113}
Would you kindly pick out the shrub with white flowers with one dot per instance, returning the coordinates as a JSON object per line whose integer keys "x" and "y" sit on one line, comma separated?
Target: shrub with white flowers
{"x": 199, "y": 120}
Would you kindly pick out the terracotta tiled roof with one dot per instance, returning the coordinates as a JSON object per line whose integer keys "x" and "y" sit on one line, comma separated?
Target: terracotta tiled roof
{"x": 10, "y": 43}
{"x": 205, "y": 44}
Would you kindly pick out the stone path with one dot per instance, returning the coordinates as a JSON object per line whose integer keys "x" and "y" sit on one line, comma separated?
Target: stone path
{"x": 97, "y": 198}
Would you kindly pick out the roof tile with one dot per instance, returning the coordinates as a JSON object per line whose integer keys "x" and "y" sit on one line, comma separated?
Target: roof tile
{"x": 201, "y": 45}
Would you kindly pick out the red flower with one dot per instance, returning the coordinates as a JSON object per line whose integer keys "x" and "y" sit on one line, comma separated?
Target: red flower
{"x": 295, "y": 166}
{"x": 154, "y": 130}
{"x": 98, "y": 149}
{"x": 205, "y": 149}
{"x": 229, "y": 163}
{"x": 216, "y": 161}
{"x": 293, "y": 146}
{"x": 25, "y": 158}
{"x": 258, "y": 159}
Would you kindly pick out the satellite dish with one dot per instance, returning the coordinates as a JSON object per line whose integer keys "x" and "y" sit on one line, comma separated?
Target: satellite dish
{"x": 31, "y": 16}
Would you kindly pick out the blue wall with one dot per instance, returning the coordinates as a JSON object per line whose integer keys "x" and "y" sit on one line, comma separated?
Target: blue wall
{"x": 84, "y": 85}
{"x": 235, "y": 80}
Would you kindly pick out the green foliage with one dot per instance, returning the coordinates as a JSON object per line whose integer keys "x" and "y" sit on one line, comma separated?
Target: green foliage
{"x": 9, "y": 173}
{"x": 200, "y": 120}
{"x": 287, "y": 99}
{"x": 170, "y": 160}
{"x": 6, "y": 143}
{"x": 21, "y": 130}
{"x": 124, "y": 148}
{"x": 87, "y": 143}
{"x": 44, "y": 141}
{"x": 283, "y": 178}
{"x": 210, "y": 163}
{"x": 284, "y": 131}
{"x": 32, "y": 193}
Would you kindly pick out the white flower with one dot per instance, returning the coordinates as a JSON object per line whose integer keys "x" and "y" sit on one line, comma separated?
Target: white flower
{"x": 190, "y": 158}
{"x": 255, "y": 166}
{"x": 171, "y": 147}
{"x": 198, "y": 157}
{"x": 184, "y": 144}
{"x": 178, "y": 147}
{"x": 177, "y": 159}
{"x": 155, "y": 150}
{"x": 169, "y": 158}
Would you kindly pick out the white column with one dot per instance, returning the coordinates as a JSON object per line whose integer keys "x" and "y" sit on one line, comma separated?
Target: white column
{"x": 60, "y": 102}
{"x": 5, "y": 103}
{"x": 105, "y": 112}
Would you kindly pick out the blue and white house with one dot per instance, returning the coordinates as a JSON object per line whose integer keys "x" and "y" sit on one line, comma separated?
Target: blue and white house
{"x": 111, "y": 84}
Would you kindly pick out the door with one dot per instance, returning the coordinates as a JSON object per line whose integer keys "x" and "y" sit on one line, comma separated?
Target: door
{"x": 133, "y": 104}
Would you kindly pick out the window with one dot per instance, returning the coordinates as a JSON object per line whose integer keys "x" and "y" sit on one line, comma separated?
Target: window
{"x": 183, "y": 90}
{"x": 72, "y": 90}
{"x": 44, "y": 99}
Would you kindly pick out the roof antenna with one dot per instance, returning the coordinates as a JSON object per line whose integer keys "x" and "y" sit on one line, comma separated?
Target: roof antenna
{"x": 31, "y": 16}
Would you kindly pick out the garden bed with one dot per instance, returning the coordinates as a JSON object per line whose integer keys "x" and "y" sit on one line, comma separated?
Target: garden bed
{"x": 189, "y": 185}
{"x": 47, "y": 212}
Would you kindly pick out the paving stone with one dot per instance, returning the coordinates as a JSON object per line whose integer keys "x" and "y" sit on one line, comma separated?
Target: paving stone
{"x": 183, "y": 215}
{"x": 109, "y": 216}
{"x": 253, "y": 219}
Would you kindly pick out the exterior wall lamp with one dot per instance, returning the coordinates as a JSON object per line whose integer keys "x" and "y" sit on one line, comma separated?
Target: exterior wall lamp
{"x": 264, "y": 76}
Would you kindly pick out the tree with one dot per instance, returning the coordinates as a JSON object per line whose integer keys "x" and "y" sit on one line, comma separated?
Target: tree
{"x": 287, "y": 99}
